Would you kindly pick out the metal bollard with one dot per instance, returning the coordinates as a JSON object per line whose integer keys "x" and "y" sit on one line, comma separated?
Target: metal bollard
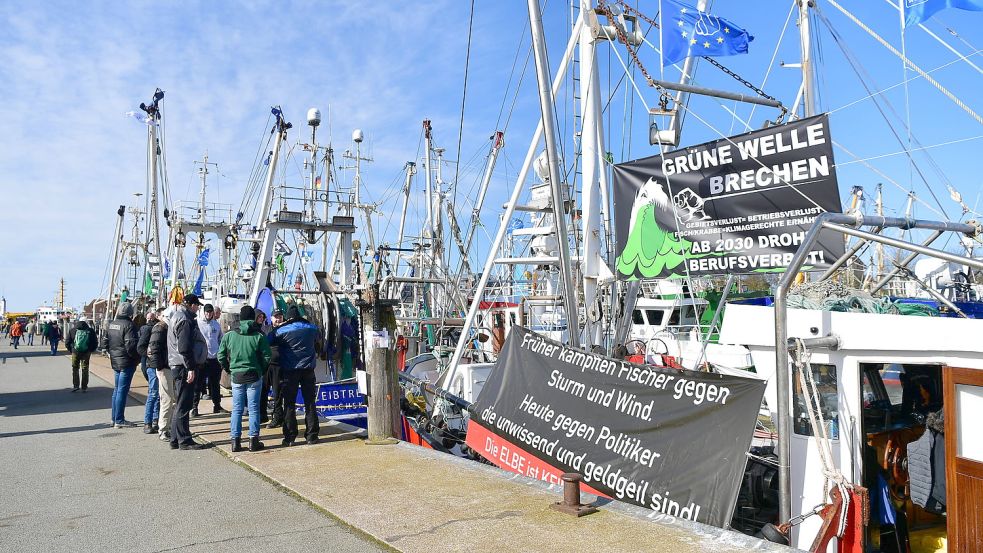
{"x": 571, "y": 504}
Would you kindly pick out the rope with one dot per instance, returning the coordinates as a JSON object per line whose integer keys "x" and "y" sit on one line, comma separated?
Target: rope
{"x": 854, "y": 64}
{"x": 939, "y": 39}
{"x": 902, "y": 83}
{"x": 909, "y": 150}
{"x": 828, "y": 295}
{"x": 908, "y": 62}
{"x": 817, "y": 422}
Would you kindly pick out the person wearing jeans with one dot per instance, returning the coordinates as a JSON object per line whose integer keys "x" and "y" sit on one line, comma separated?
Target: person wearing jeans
{"x": 121, "y": 389}
{"x": 296, "y": 341}
{"x": 151, "y": 411}
{"x": 54, "y": 336}
{"x": 121, "y": 344}
{"x": 245, "y": 354}
{"x": 157, "y": 364}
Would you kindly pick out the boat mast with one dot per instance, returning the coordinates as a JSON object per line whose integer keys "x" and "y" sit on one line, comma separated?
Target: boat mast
{"x": 153, "y": 220}
{"x": 592, "y": 168}
{"x": 407, "y": 184}
{"x": 429, "y": 174}
{"x": 783, "y": 375}
{"x": 808, "y": 72}
{"x": 499, "y": 241}
{"x": 262, "y": 272}
{"x": 498, "y": 141}
{"x": 549, "y": 131}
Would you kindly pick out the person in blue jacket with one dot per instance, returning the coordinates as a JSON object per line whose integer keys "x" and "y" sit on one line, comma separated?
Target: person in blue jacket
{"x": 296, "y": 340}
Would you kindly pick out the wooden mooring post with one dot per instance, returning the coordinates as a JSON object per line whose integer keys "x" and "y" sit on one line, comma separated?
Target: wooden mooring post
{"x": 382, "y": 382}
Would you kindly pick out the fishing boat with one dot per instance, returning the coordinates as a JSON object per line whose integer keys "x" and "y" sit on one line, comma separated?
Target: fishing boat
{"x": 820, "y": 431}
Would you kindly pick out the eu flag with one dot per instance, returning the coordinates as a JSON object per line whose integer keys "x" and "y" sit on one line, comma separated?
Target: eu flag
{"x": 916, "y": 11}
{"x": 686, "y": 31}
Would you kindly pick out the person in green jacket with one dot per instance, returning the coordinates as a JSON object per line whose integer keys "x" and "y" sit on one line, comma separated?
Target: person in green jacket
{"x": 245, "y": 354}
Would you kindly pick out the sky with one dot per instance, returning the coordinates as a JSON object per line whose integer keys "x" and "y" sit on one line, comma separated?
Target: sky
{"x": 69, "y": 72}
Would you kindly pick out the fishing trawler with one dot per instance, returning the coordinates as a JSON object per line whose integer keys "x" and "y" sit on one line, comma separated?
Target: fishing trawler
{"x": 863, "y": 398}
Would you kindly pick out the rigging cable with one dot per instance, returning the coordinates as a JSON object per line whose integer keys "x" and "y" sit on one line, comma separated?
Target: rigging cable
{"x": 895, "y": 51}
{"x": 464, "y": 98}
{"x": 856, "y": 68}
{"x": 774, "y": 54}
{"x": 921, "y": 148}
{"x": 663, "y": 92}
{"x": 939, "y": 39}
{"x": 913, "y": 78}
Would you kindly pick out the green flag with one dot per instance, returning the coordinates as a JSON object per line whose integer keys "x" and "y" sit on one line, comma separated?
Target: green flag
{"x": 148, "y": 284}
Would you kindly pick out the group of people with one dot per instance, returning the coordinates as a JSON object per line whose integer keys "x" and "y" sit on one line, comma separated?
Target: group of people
{"x": 184, "y": 356}
{"x": 18, "y": 330}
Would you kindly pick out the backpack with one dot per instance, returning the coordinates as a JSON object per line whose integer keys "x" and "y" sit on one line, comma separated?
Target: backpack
{"x": 81, "y": 344}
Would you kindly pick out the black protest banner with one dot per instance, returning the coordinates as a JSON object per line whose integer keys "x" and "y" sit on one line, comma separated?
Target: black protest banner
{"x": 672, "y": 441}
{"x": 736, "y": 205}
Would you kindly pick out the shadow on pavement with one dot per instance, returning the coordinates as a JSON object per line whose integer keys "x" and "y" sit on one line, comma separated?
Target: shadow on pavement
{"x": 12, "y": 356}
{"x": 58, "y": 400}
{"x": 97, "y": 426}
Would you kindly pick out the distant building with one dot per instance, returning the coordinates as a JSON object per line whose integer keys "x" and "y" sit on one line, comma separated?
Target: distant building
{"x": 95, "y": 310}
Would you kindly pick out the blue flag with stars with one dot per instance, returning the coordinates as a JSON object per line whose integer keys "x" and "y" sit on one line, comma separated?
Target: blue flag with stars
{"x": 916, "y": 11}
{"x": 686, "y": 31}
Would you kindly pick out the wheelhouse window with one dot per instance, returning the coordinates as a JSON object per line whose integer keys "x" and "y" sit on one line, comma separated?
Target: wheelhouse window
{"x": 654, "y": 316}
{"x": 824, "y": 376}
{"x": 636, "y": 317}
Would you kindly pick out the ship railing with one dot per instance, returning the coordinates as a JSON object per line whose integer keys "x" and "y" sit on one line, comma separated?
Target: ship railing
{"x": 214, "y": 212}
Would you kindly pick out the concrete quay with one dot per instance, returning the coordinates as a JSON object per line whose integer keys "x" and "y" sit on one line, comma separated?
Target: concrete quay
{"x": 417, "y": 500}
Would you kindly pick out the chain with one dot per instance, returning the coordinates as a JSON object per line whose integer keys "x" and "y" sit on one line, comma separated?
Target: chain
{"x": 714, "y": 62}
{"x": 664, "y": 96}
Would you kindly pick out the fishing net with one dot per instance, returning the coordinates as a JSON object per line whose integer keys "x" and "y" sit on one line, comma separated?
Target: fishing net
{"x": 828, "y": 295}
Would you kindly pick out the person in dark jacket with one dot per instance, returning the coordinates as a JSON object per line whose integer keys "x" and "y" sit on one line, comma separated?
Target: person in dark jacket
{"x": 245, "y": 354}
{"x": 186, "y": 355}
{"x": 54, "y": 336}
{"x": 151, "y": 410}
{"x": 157, "y": 363}
{"x": 81, "y": 342}
{"x": 271, "y": 381}
{"x": 121, "y": 344}
{"x": 296, "y": 342}
{"x": 143, "y": 334}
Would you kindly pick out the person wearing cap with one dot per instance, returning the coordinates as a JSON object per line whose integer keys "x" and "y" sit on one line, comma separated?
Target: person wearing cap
{"x": 186, "y": 355}
{"x": 271, "y": 381}
{"x": 296, "y": 341}
{"x": 121, "y": 345}
{"x": 245, "y": 355}
{"x": 208, "y": 380}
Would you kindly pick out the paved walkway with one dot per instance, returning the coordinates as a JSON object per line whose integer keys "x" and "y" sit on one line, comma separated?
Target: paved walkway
{"x": 71, "y": 483}
{"x": 417, "y": 500}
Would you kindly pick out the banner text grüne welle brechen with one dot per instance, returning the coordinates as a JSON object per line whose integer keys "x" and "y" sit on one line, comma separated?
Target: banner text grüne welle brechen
{"x": 736, "y": 205}
{"x": 668, "y": 440}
